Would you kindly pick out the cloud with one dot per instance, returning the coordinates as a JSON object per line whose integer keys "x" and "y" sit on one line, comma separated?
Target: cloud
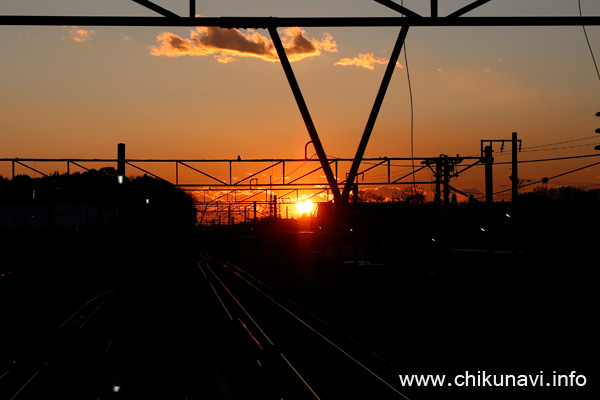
{"x": 365, "y": 61}
{"x": 228, "y": 44}
{"x": 80, "y": 35}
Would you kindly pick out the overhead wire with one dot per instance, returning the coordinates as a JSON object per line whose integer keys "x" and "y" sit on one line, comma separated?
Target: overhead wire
{"x": 301, "y": 165}
{"x": 549, "y": 159}
{"x": 563, "y": 174}
{"x": 412, "y": 112}
{"x": 563, "y": 142}
{"x": 528, "y": 149}
{"x": 554, "y": 148}
{"x": 587, "y": 39}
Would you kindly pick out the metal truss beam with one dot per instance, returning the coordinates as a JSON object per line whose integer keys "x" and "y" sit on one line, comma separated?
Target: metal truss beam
{"x": 468, "y": 8}
{"x": 434, "y": 8}
{"x": 192, "y": 8}
{"x": 397, "y": 7}
{"x": 307, "y": 22}
{"x": 28, "y": 167}
{"x": 214, "y": 182}
{"x": 156, "y": 8}
{"x": 310, "y": 126}
{"x": 145, "y": 171}
{"x": 374, "y": 112}
{"x": 249, "y": 177}
{"x": 409, "y": 19}
{"x": 203, "y": 173}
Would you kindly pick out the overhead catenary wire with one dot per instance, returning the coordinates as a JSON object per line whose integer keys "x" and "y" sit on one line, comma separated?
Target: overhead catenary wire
{"x": 535, "y": 151}
{"x": 556, "y": 148}
{"x": 550, "y": 159}
{"x": 412, "y": 117}
{"x": 563, "y": 142}
{"x": 407, "y": 167}
{"x": 530, "y": 148}
{"x": 548, "y": 178}
{"x": 587, "y": 39}
{"x": 546, "y": 160}
{"x": 412, "y": 113}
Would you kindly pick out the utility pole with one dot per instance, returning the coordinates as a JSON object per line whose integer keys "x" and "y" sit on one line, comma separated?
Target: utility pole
{"x": 120, "y": 211}
{"x": 438, "y": 178}
{"x": 515, "y": 164}
{"x": 447, "y": 168}
{"x": 121, "y": 162}
{"x": 488, "y": 160}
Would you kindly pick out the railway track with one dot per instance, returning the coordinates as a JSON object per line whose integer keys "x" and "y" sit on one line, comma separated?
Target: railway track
{"x": 326, "y": 362}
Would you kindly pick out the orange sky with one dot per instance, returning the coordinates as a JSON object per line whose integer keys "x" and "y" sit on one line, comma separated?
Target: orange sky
{"x": 77, "y": 92}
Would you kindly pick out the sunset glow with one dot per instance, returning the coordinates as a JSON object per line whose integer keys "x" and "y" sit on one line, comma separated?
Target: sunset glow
{"x": 401, "y": 196}
{"x": 304, "y": 206}
{"x": 75, "y": 92}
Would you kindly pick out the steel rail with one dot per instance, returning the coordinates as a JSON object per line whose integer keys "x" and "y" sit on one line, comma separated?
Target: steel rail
{"x": 314, "y": 330}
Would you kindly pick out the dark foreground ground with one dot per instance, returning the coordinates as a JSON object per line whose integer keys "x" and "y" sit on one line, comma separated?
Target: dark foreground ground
{"x": 455, "y": 308}
{"x": 84, "y": 312}
{"x": 113, "y": 315}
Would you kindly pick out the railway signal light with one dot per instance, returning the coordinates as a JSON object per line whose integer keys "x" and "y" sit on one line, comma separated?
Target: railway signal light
{"x": 121, "y": 162}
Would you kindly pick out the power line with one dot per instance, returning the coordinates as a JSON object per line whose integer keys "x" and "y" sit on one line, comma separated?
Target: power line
{"x": 551, "y": 177}
{"x": 556, "y": 148}
{"x": 529, "y": 149}
{"x": 564, "y": 173}
{"x": 588, "y": 41}
{"x": 301, "y": 165}
{"x": 408, "y": 167}
{"x": 563, "y": 142}
{"x": 412, "y": 113}
{"x": 550, "y": 159}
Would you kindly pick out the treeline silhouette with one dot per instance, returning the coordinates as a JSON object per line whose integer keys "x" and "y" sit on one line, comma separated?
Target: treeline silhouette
{"x": 566, "y": 213}
{"x": 140, "y": 202}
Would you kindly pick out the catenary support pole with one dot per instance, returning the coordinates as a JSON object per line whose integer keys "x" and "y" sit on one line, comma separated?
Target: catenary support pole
{"x": 515, "y": 165}
{"x": 489, "y": 176}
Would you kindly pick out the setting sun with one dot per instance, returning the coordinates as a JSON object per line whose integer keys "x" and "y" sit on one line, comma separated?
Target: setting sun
{"x": 304, "y": 206}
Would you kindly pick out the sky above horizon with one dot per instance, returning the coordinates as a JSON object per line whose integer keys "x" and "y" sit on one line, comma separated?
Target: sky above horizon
{"x": 75, "y": 92}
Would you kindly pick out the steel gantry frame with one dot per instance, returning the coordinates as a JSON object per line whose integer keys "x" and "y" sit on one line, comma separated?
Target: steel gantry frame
{"x": 266, "y": 187}
{"x": 284, "y": 179}
{"x": 408, "y": 19}
{"x": 222, "y": 198}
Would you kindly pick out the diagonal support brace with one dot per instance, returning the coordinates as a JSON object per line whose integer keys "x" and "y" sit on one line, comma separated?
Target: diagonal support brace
{"x": 468, "y": 8}
{"x": 397, "y": 7}
{"x": 310, "y": 126}
{"x": 156, "y": 8}
{"x": 374, "y": 112}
